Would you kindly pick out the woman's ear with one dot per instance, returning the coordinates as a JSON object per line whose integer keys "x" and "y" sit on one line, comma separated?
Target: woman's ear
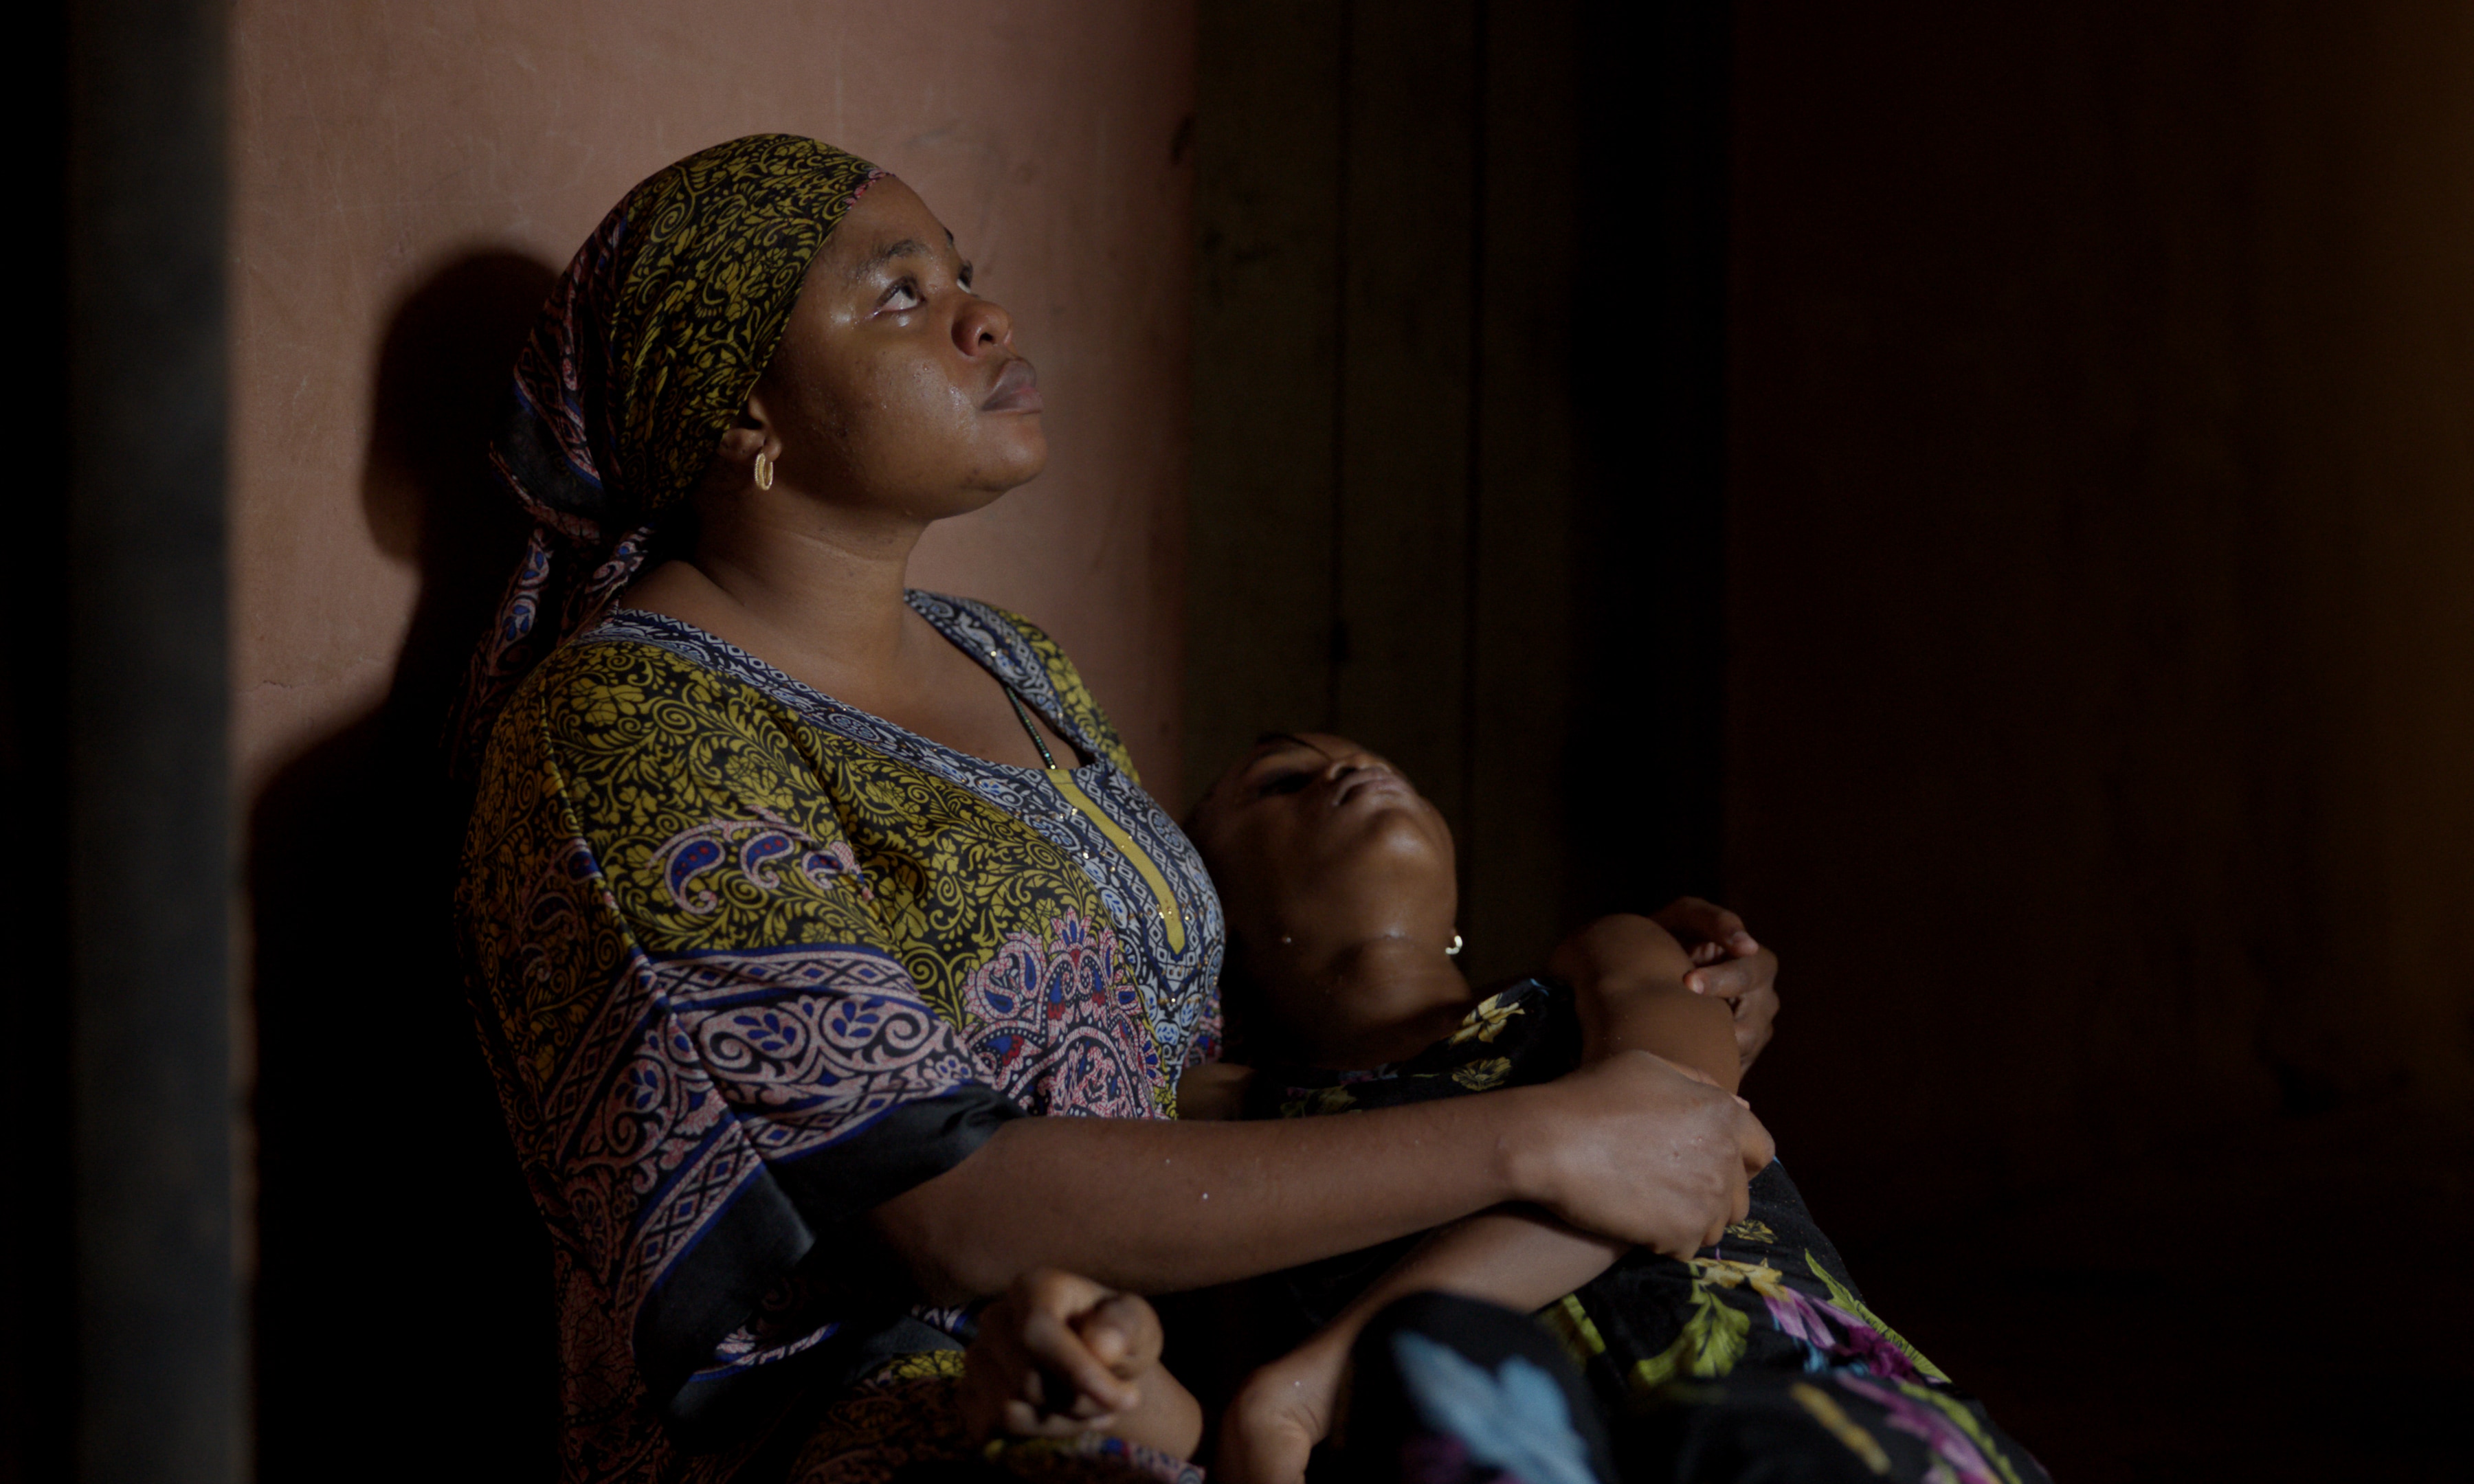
{"x": 751, "y": 435}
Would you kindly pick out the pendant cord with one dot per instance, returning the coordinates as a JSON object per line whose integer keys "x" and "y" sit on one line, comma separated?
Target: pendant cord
{"x": 1046, "y": 759}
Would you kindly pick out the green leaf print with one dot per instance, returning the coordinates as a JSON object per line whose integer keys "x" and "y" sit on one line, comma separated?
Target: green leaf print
{"x": 1846, "y": 1299}
{"x": 1711, "y": 1344}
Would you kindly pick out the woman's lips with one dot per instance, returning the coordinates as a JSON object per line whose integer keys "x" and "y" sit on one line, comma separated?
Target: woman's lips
{"x": 1017, "y": 389}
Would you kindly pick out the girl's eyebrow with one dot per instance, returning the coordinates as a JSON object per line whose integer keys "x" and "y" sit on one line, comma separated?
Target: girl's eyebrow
{"x": 1287, "y": 742}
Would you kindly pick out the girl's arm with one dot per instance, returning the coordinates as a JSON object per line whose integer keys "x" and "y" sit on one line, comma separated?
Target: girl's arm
{"x": 1627, "y": 973}
{"x": 1520, "y": 1260}
{"x": 1628, "y": 1146}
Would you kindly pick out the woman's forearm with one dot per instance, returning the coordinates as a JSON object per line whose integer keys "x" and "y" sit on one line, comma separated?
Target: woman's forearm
{"x": 1158, "y": 1206}
{"x": 1628, "y": 1146}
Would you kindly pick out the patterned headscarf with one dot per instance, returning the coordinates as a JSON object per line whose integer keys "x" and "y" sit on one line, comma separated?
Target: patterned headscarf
{"x": 643, "y": 356}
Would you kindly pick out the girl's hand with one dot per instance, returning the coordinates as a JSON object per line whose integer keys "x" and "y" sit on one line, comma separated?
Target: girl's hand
{"x": 1058, "y": 1355}
{"x": 1277, "y": 1416}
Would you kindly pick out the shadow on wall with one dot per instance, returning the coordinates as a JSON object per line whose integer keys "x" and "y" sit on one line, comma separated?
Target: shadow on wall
{"x": 403, "y": 1309}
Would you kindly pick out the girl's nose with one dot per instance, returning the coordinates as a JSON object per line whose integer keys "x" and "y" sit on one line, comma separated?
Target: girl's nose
{"x": 1347, "y": 763}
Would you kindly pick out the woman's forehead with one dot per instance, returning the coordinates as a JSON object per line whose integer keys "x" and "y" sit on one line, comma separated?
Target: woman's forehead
{"x": 890, "y": 221}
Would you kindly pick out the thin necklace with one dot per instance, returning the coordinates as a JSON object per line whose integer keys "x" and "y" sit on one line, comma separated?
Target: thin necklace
{"x": 1046, "y": 759}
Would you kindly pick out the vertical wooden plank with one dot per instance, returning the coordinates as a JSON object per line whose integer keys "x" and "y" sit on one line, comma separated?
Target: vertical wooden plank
{"x": 1267, "y": 180}
{"x": 1539, "y": 286}
{"x": 1651, "y": 398}
{"x": 1490, "y": 464}
{"x": 1400, "y": 681}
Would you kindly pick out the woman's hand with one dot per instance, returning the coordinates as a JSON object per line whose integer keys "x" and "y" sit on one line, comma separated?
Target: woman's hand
{"x": 1277, "y": 1416}
{"x": 1636, "y": 1149}
{"x": 1061, "y": 1355}
{"x": 1729, "y": 966}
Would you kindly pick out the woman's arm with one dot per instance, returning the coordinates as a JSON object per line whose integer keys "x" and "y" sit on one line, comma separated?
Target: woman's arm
{"x": 1629, "y": 1148}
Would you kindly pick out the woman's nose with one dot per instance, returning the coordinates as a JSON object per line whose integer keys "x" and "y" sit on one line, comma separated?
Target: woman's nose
{"x": 983, "y": 326}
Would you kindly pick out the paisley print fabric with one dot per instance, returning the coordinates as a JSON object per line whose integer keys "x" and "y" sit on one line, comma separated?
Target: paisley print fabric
{"x": 751, "y": 962}
{"x": 647, "y": 349}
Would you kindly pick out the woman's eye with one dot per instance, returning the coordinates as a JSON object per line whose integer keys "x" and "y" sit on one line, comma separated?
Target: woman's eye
{"x": 1282, "y": 783}
{"x": 904, "y": 295}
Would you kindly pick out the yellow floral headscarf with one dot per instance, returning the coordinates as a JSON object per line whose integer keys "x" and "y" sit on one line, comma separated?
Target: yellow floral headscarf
{"x": 643, "y": 356}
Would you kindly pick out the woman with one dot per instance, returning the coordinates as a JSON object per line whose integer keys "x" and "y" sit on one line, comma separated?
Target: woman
{"x": 834, "y": 966}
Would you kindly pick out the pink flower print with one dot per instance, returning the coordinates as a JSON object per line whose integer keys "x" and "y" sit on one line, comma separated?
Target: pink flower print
{"x": 1869, "y": 1346}
{"x": 1949, "y": 1443}
{"x": 1801, "y": 1317}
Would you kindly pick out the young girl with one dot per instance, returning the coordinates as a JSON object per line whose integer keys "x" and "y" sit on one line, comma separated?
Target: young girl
{"x": 1752, "y": 1357}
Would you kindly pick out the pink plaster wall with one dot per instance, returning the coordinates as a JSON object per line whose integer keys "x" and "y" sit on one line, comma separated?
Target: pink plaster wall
{"x": 375, "y": 144}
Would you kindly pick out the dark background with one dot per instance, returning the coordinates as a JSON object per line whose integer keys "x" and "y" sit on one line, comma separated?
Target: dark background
{"x": 1987, "y": 490}
{"x": 1983, "y": 489}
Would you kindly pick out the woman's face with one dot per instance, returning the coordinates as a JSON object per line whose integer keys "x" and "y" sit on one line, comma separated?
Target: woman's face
{"x": 1313, "y": 840}
{"x": 896, "y": 388}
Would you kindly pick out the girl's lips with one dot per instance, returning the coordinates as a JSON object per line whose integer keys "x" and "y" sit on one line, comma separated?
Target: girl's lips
{"x": 1364, "y": 780}
{"x": 1017, "y": 389}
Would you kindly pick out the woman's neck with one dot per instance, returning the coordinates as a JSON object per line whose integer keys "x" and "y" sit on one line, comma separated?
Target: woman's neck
{"x": 825, "y": 596}
{"x": 1371, "y": 1002}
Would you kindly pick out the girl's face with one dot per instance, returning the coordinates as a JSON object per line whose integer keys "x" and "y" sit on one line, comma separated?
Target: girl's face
{"x": 1316, "y": 844}
{"x": 896, "y": 388}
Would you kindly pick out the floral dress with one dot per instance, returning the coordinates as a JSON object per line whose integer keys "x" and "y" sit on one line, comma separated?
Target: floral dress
{"x": 748, "y": 963}
{"x": 1703, "y": 1368}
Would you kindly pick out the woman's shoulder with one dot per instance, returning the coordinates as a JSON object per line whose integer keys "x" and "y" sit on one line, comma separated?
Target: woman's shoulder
{"x": 1027, "y": 657}
{"x": 621, "y": 669}
{"x": 632, "y": 688}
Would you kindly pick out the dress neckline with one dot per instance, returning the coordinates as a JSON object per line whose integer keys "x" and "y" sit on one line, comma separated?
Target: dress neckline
{"x": 997, "y": 647}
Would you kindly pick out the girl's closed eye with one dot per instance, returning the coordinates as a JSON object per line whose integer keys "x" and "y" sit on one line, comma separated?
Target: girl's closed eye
{"x": 1287, "y": 781}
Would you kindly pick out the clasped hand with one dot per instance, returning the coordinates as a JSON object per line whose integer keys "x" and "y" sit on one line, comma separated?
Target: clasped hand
{"x": 1059, "y": 1355}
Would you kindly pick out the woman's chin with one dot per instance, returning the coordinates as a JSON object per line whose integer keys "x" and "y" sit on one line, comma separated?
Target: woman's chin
{"x": 1006, "y": 471}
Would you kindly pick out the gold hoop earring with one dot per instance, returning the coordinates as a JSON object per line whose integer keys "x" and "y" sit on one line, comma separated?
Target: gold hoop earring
{"x": 763, "y": 470}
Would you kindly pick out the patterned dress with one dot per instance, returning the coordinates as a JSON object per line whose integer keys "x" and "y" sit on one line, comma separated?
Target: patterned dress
{"x": 749, "y": 963}
{"x": 1754, "y": 1358}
